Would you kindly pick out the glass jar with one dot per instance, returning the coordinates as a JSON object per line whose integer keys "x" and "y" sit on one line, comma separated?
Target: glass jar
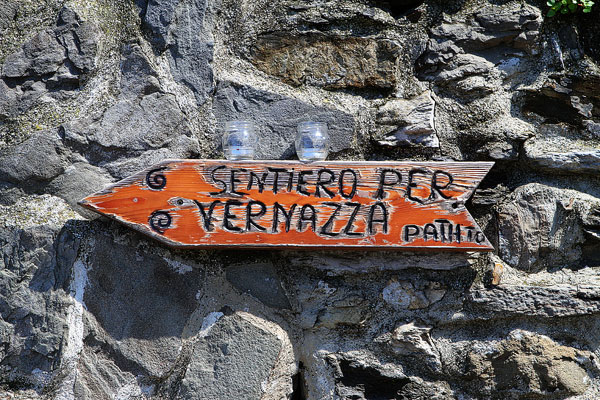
{"x": 312, "y": 141}
{"x": 239, "y": 140}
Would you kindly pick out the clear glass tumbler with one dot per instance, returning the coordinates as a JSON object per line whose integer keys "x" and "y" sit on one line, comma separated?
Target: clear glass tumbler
{"x": 240, "y": 140}
{"x": 312, "y": 141}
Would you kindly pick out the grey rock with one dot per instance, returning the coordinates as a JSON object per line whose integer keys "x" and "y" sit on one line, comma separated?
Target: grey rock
{"x": 421, "y": 389}
{"x": 70, "y": 39}
{"x": 54, "y": 61}
{"x": 8, "y": 12}
{"x": 41, "y": 55}
{"x": 183, "y": 29}
{"x": 78, "y": 181}
{"x": 181, "y": 147}
{"x": 30, "y": 211}
{"x": 139, "y": 305}
{"x": 515, "y": 26}
{"x": 40, "y": 158}
{"x": 464, "y": 66}
{"x": 149, "y": 123}
{"x": 415, "y": 340}
{"x": 571, "y": 98}
{"x": 192, "y": 49}
{"x": 144, "y": 122}
{"x": 343, "y": 310}
{"x": 79, "y": 39}
{"x": 509, "y": 19}
{"x": 276, "y": 118}
{"x": 585, "y": 109}
{"x": 158, "y": 17}
{"x": 527, "y": 362}
{"x": 540, "y": 227}
{"x": 8, "y": 100}
{"x": 260, "y": 281}
{"x": 90, "y": 309}
{"x": 33, "y": 315}
{"x": 329, "y": 62}
{"x": 563, "y": 155}
{"x": 406, "y": 295}
{"x": 100, "y": 378}
{"x": 593, "y": 128}
{"x": 233, "y": 358}
{"x": 407, "y": 121}
{"x": 138, "y": 76}
{"x": 540, "y": 301}
{"x": 456, "y": 49}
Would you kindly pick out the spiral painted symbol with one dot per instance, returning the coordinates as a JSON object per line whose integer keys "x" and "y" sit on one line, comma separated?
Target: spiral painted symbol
{"x": 159, "y": 221}
{"x": 156, "y": 181}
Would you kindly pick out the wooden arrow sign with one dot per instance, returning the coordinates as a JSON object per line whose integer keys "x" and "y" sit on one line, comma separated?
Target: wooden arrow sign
{"x": 388, "y": 205}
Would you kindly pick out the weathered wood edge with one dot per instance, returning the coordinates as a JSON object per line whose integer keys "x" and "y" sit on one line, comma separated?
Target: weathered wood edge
{"x": 131, "y": 178}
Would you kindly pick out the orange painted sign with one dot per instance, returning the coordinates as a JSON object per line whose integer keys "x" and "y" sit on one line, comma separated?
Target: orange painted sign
{"x": 386, "y": 205}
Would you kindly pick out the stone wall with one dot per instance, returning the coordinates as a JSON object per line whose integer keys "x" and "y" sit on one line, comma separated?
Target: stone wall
{"x": 92, "y": 91}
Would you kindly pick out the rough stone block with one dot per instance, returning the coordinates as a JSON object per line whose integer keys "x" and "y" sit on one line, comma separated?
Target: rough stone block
{"x": 541, "y": 227}
{"x": 138, "y": 305}
{"x": 39, "y": 158}
{"x": 234, "y": 357}
{"x": 407, "y": 121}
{"x": 183, "y": 29}
{"x": 327, "y": 61}
{"x": 260, "y": 281}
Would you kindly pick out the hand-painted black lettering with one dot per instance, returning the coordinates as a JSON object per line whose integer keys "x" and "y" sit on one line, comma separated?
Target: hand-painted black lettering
{"x": 408, "y": 235}
{"x": 207, "y": 215}
{"x": 216, "y": 180}
{"x": 442, "y": 223}
{"x": 227, "y": 215}
{"x": 430, "y": 230}
{"x": 411, "y": 184}
{"x": 301, "y": 182}
{"x": 350, "y": 224}
{"x": 276, "y": 172}
{"x": 287, "y": 215}
{"x": 470, "y": 230}
{"x": 436, "y": 187}
{"x": 259, "y": 180}
{"x": 326, "y": 228}
{"x": 251, "y": 215}
{"x": 383, "y": 219}
{"x": 321, "y": 182}
{"x": 380, "y": 194}
{"x": 233, "y": 180}
{"x": 457, "y": 233}
{"x": 354, "y": 183}
{"x": 312, "y": 218}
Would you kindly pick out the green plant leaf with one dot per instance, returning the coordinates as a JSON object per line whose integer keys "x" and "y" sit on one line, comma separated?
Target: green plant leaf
{"x": 573, "y": 7}
{"x": 550, "y": 3}
{"x": 587, "y": 10}
{"x": 551, "y": 13}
